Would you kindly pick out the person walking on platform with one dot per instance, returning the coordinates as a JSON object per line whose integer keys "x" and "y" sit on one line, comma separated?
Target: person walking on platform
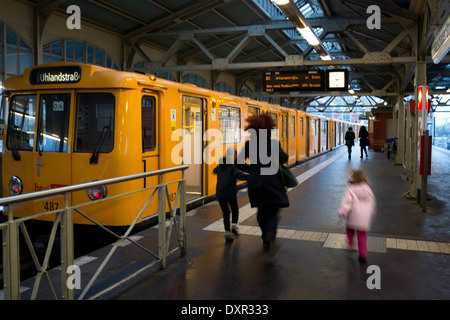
{"x": 226, "y": 191}
{"x": 363, "y": 140}
{"x": 358, "y": 206}
{"x": 265, "y": 187}
{"x": 350, "y": 141}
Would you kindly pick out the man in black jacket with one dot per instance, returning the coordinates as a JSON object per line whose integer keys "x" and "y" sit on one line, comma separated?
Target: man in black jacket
{"x": 350, "y": 141}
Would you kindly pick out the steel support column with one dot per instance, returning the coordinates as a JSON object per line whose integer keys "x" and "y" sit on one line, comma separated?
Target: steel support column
{"x": 399, "y": 160}
{"x": 417, "y": 130}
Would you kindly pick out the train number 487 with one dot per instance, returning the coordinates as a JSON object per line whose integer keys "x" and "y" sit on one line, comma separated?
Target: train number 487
{"x": 50, "y": 206}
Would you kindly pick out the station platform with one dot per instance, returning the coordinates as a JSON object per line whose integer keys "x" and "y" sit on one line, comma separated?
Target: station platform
{"x": 409, "y": 248}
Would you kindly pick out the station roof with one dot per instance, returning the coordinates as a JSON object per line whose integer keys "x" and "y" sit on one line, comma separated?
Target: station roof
{"x": 247, "y": 37}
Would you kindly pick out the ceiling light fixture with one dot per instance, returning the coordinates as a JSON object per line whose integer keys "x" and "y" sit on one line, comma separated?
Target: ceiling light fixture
{"x": 281, "y": 2}
{"x": 309, "y": 36}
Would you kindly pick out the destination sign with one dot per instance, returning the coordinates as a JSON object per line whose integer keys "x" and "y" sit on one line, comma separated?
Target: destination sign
{"x": 313, "y": 80}
{"x": 47, "y": 75}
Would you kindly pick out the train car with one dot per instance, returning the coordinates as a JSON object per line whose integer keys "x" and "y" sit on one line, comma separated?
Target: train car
{"x": 75, "y": 123}
{"x": 70, "y": 123}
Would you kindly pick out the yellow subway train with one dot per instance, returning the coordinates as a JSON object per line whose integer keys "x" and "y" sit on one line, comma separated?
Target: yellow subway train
{"x": 71, "y": 123}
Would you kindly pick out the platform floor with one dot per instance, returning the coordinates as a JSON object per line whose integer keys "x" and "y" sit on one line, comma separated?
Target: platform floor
{"x": 409, "y": 248}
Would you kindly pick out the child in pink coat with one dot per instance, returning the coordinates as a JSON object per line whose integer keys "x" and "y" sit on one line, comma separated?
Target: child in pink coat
{"x": 358, "y": 208}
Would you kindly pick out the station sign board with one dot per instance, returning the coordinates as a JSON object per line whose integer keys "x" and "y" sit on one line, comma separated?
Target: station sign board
{"x": 313, "y": 80}
{"x": 276, "y": 81}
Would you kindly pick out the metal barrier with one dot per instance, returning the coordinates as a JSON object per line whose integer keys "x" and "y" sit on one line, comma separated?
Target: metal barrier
{"x": 64, "y": 218}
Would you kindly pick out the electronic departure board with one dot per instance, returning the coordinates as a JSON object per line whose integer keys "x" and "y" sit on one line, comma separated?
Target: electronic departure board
{"x": 313, "y": 80}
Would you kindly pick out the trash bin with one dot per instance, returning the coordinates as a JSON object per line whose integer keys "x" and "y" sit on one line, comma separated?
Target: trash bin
{"x": 387, "y": 149}
{"x": 390, "y": 146}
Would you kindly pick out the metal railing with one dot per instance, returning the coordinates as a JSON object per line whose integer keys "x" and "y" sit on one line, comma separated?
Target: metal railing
{"x": 64, "y": 219}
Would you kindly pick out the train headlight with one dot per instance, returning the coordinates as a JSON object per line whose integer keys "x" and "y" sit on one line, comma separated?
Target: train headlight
{"x": 15, "y": 186}
{"x": 97, "y": 193}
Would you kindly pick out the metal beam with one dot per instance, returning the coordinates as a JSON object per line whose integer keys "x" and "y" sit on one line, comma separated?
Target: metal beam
{"x": 188, "y": 12}
{"x": 294, "y": 61}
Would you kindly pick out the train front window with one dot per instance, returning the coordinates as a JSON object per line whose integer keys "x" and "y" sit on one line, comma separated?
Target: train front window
{"x": 94, "y": 129}
{"x": 53, "y": 126}
{"x": 22, "y": 116}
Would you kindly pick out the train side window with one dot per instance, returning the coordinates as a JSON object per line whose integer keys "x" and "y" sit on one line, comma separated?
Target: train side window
{"x": 22, "y": 116}
{"x": 94, "y": 130}
{"x": 252, "y": 111}
{"x": 275, "y": 118}
{"x": 53, "y": 125}
{"x": 148, "y": 123}
{"x": 230, "y": 124}
{"x": 284, "y": 126}
{"x": 301, "y": 127}
{"x": 292, "y": 127}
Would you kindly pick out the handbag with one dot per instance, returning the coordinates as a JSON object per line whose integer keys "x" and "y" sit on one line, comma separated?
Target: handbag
{"x": 288, "y": 178}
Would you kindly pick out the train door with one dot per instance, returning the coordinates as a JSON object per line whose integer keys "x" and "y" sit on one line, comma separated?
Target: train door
{"x": 284, "y": 132}
{"x": 319, "y": 135}
{"x": 308, "y": 136}
{"x": 301, "y": 138}
{"x": 150, "y": 160}
{"x": 192, "y": 124}
{"x": 334, "y": 134}
{"x": 51, "y": 157}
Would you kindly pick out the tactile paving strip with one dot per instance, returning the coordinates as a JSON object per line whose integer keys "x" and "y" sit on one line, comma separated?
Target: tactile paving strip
{"x": 339, "y": 241}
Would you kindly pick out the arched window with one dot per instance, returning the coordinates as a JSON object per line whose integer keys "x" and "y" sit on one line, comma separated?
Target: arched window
{"x": 141, "y": 66}
{"x": 223, "y": 87}
{"x": 77, "y": 51}
{"x": 19, "y": 54}
{"x": 195, "y": 79}
{"x": 246, "y": 92}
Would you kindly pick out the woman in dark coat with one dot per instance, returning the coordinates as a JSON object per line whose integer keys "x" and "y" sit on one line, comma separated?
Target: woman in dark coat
{"x": 226, "y": 191}
{"x": 265, "y": 187}
{"x": 349, "y": 140}
{"x": 363, "y": 140}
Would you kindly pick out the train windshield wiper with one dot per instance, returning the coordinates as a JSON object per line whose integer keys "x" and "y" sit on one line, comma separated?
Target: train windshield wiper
{"x": 10, "y": 129}
{"x": 12, "y": 139}
{"x": 99, "y": 144}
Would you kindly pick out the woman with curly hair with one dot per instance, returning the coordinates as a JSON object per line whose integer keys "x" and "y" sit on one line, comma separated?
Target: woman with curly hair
{"x": 265, "y": 187}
